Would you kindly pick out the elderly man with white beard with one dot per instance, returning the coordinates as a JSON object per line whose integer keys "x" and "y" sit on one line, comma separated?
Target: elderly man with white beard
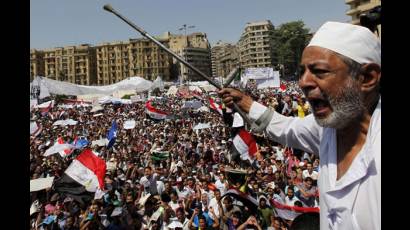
{"x": 340, "y": 77}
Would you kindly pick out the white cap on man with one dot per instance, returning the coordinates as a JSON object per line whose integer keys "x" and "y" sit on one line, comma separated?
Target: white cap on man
{"x": 355, "y": 42}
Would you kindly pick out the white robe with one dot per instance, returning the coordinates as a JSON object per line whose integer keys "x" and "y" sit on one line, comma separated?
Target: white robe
{"x": 352, "y": 202}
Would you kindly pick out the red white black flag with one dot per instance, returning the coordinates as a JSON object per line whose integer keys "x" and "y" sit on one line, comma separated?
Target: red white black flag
{"x": 245, "y": 145}
{"x": 291, "y": 212}
{"x": 153, "y": 112}
{"x": 83, "y": 177}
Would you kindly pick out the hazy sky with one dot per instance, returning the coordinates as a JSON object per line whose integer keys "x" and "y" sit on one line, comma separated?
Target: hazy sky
{"x": 55, "y": 23}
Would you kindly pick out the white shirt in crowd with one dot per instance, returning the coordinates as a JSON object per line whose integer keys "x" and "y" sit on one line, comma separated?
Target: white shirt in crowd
{"x": 220, "y": 185}
{"x": 291, "y": 202}
{"x": 182, "y": 194}
{"x": 214, "y": 204}
{"x": 306, "y": 173}
{"x": 353, "y": 201}
{"x": 173, "y": 205}
{"x": 279, "y": 154}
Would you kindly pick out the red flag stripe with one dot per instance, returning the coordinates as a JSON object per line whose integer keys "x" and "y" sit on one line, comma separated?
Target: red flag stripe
{"x": 294, "y": 208}
{"x": 215, "y": 106}
{"x": 94, "y": 163}
{"x": 249, "y": 140}
{"x": 153, "y": 109}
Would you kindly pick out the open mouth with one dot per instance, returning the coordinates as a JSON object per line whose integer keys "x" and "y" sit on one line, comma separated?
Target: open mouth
{"x": 319, "y": 106}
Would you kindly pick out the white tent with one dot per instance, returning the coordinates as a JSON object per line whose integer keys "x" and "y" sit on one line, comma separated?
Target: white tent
{"x": 158, "y": 83}
{"x": 136, "y": 84}
{"x": 121, "y": 93}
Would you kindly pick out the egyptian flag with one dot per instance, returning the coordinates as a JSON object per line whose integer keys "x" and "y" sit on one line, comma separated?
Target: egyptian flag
{"x": 153, "y": 112}
{"x": 45, "y": 111}
{"x": 215, "y": 106}
{"x": 244, "y": 144}
{"x": 291, "y": 212}
{"x": 83, "y": 177}
{"x": 250, "y": 202}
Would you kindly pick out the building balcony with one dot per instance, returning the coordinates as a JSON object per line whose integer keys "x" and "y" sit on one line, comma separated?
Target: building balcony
{"x": 350, "y": 1}
{"x": 367, "y": 6}
{"x": 352, "y": 11}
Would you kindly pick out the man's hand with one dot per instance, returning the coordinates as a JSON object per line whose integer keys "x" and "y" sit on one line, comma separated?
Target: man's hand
{"x": 229, "y": 96}
{"x": 251, "y": 220}
{"x": 196, "y": 212}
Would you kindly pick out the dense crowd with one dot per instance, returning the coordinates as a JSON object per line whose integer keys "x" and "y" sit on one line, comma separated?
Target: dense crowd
{"x": 182, "y": 190}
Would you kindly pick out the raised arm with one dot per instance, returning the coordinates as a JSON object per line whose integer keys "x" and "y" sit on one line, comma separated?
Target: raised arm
{"x": 300, "y": 133}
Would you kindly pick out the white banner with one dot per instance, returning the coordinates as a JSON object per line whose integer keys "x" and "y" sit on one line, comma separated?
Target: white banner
{"x": 202, "y": 126}
{"x": 258, "y": 73}
{"x": 265, "y": 77}
{"x": 270, "y": 82}
{"x": 192, "y": 104}
{"x": 100, "y": 142}
{"x": 130, "y": 124}
{"x": 41, "y": 183}
{"x": 65, "y": 122}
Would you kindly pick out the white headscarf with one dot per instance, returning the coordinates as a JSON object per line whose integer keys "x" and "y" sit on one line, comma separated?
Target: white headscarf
{"x": 352, "y": 41}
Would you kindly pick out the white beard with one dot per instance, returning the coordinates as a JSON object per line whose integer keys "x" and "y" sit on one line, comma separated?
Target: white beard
{"x": 347, "y": 105}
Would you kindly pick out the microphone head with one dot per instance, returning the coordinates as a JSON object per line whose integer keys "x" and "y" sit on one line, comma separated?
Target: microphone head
{"x": 108, "y": 7}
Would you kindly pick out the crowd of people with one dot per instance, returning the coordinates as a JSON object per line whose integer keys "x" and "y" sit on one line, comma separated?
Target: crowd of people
{"x": 182, "y": 190}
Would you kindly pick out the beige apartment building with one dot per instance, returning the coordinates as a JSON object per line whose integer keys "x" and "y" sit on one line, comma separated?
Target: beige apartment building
{"x": 36, "y": 63}
{"x": 112, "y": 62}
{"x": 75, "y": 64}
{"x": 215, "y": 53}
{"x": 108, "y": 63}
{"x": 136, "y": 57}
{"x": 358, "y": 7}
{"x": 256, "y": 45}
{"x": 195, "y": 49}
{"x": 225, "y": 57}
{"x": 148, "y": 60}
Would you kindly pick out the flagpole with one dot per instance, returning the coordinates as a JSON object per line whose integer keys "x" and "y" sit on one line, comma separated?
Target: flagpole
{"x": 182, "y": 60}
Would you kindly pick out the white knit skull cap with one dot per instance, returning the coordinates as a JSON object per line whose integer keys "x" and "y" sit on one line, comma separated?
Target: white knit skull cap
{"x": 352, "y": 41}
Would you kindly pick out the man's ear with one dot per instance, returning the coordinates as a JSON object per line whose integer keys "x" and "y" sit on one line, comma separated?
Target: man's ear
{"x": 370, "y": 77}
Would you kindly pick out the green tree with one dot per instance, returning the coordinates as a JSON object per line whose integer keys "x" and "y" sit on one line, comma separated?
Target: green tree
{"x": 289, "y": 40}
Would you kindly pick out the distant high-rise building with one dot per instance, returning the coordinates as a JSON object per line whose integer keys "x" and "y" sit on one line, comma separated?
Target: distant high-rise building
{"x": 256, "y": 45}
{"x": 225, "y": 57}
